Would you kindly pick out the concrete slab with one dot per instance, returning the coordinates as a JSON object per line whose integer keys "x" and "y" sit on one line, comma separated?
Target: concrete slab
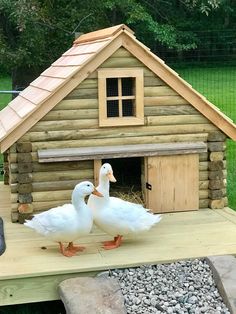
{"x": 224, "y": 273}
{"x": 83, "y": 295}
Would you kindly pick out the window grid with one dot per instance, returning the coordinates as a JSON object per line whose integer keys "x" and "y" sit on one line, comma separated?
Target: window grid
{"x": 122, "y": 100}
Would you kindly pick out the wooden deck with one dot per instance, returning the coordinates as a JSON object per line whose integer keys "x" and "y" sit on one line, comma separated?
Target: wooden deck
{"x": 30, "y": 274}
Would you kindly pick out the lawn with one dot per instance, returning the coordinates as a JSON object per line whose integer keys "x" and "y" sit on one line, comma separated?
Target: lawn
{"x": 218, "y": 84}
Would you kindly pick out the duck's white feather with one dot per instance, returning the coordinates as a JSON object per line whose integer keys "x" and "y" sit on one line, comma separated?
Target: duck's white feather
{"x": 116, "y": 216}
{"x": 64, "y": 223}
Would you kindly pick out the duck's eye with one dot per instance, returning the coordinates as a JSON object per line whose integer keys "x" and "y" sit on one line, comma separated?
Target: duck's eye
{"x": 104, "y": 167}
{"x": 88, "y": 185}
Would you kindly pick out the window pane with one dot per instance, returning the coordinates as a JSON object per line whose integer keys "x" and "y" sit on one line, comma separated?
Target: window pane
{"x": 112, "y": 87}
{"x": 128, "y": 86}
{"x": 112, "y": 108}
{"x": 128, "y": 107}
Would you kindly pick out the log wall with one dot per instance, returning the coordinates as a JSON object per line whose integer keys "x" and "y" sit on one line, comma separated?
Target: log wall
{"x": 74, "y": 123}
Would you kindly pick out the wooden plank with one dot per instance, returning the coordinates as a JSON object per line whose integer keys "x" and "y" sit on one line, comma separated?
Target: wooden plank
{"x": 165, "y": 100}
{"x": 34, "y": 289}
{"x": 175, "y": 183}
{"x": 176, "y": 119}
{"x": 169, "y": 110}
{"x": 124, "y": 150}
{"x": 102, "y": 33}
{"x": 96, "y": 170}
{"x": 198, "y": 137}
{"x": 71, "y": 114}
{"x": 155, "y": 91}
{"x": 65, "y": 125}
{"x": 75, "y": 104}
{"x": 116, "y": 133}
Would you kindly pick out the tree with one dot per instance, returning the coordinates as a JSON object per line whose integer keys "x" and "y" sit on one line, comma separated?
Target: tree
{"x": 33, "y": 33}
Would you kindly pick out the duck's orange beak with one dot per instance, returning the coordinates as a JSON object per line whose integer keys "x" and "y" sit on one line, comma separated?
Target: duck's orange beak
{"x": 111, "y": 177}
{"x": 95, "y": 192}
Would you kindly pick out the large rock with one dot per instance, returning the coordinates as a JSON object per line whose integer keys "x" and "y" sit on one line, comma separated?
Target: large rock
{"x": 85, "y": 295}
{"x": 224, "y": 273}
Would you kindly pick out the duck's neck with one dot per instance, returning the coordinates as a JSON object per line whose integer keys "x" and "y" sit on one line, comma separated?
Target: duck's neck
{"x": 77, "y": 200}
{"x": 104, "y": 185}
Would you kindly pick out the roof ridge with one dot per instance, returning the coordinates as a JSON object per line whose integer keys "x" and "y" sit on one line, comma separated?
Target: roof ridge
{"x": 102, "y": 33}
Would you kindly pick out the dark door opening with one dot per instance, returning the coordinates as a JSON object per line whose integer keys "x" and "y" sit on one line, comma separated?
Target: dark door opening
{"x": 127, "y": 172}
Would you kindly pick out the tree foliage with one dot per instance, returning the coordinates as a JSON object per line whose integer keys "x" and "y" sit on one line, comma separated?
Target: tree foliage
{"x": 33, "y": 33}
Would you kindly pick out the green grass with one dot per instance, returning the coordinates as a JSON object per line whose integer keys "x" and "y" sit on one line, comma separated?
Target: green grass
{"x": 218, "y": 85}
{"x": 5, "y": 84}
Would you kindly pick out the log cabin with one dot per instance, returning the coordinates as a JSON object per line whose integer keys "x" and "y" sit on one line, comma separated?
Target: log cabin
{"x": 109, "y": 98}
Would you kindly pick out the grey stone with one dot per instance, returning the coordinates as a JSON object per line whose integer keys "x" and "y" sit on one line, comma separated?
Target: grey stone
{"x": 224, "y": 273}
{"x": 85, "y": 295}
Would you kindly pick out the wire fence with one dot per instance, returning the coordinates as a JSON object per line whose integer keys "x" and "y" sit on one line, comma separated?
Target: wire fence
{"x": 211, "y": 70}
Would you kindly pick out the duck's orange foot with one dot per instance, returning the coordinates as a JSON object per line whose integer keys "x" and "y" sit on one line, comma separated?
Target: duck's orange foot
{"x": 75, "y": 248}
{"x": 110, "y": 245}
{"x": 112, "y": 242}
{"x": 66, "y": 251}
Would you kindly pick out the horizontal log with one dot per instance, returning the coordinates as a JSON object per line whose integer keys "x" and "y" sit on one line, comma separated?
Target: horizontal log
{"x": 198, "y": 137}
{"x": 60, "y": 166}
{"x": 217, "y": 136}
{"x": 203, "y": 165}
{"x": 117, "y": 62}
{"x": 165, "y": 100}
{"x": 55, "y": 185}
{"x": 64, "y": 125}
{"x": 216, "y": 146}
{"x": 24, "y": 147}
{"x": 153, "y": 81}
{"x": 55, "y": 115}
{"x": 13, "y": 157}
{"x": 203, "y": 185}
{"x": 58, "y": 175}
{"x": 203, "y": 194}
{"x": 204, "y": 203}
{"x": 176, "y": 119}
{"x": 14, "y": 217}
{"x": 155, "y": 91}
{"x": 49, "y": 196}
{"x": 117, "y": 132}
{"x": 42, "y": 206}
{"x": 24, "y": 167}
{"x": 214, "y": 156}
{"x": 75, "y": 104}
{"x": 88, "y": 83}
{"x": 203, "y": 156}
{"x": 83, "y": 93}
{"x": 217, "y": 204}
{"x": 216, "y": 194}
{"x": 203, "y": 175}
{"x": 119, "y": 151}
{"x": 169, "y": 110}
{"x": 24, "y": 157}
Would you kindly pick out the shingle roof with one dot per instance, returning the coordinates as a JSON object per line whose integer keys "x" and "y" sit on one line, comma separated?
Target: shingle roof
{"x": 32, "y": 103}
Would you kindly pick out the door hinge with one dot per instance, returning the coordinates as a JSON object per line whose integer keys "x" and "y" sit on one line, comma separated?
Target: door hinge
{"x": 148, "y": 186}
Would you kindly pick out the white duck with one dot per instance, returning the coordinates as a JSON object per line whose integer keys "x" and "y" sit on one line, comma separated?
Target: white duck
{"x": 68, "y": 222}
{"x": 116, "y": 216}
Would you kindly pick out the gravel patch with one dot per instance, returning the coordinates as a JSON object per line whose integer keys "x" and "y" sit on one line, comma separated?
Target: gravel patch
{"x": 180, "y": 287}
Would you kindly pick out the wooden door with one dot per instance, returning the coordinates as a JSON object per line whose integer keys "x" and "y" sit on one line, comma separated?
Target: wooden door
{"x": 174, "y": 183}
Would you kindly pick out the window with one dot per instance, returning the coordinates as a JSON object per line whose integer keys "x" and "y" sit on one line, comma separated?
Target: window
{"x": 120, "y": 97}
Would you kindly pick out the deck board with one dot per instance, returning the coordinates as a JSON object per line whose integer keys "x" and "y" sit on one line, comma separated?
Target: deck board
{"x": 30, "y": 274}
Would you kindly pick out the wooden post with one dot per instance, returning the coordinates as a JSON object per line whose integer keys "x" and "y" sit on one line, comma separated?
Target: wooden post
{"x": 216, "y": 168}
{"x": 24, "y": 180}
{"x": 96, "y": 169}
